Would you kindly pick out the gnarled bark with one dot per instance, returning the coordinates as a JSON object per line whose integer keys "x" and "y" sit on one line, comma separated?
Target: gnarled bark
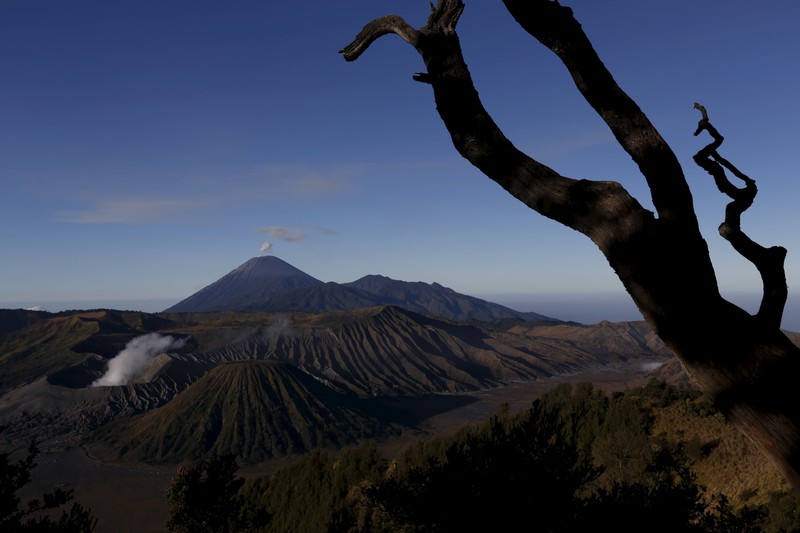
{"x": 744, "y": 363}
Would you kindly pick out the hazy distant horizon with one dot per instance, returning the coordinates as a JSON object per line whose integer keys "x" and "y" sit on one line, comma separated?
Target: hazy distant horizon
{"x": 588, "y": 308}
{"x": 591, "y": 308}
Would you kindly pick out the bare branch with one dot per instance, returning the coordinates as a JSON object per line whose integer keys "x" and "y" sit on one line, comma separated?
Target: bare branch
{"x": 376, "y": 29}
{"x": 443, "y": 19}
{"x": 768, "y": 261}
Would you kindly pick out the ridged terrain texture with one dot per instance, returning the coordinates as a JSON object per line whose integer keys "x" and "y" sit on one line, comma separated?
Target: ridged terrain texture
{"x": 257, "y": 410}
{"x": 268, "y": 361}
{"x": 274, "y": 382}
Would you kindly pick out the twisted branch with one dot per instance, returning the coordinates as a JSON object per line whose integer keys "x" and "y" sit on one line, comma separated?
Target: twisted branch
{"x": 768, "y": 261}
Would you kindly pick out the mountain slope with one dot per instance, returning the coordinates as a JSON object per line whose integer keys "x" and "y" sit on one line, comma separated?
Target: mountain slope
{"x": 59, "y": 340}
{"x": 319, "y": 299}
{"x": 14, "y": 319}
{"x": 250, "y": 284}
{"x": 256, "y": 410}
{"x": 390, "y": 351}
{"x": 436, "y": 300}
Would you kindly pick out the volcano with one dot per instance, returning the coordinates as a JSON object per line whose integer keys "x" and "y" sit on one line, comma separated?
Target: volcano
{"x": 249, "y": 286}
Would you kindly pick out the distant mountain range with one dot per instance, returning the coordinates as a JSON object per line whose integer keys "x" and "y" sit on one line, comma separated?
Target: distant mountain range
{"x": 268, "y": 361}
{"x": 270, "y": 284}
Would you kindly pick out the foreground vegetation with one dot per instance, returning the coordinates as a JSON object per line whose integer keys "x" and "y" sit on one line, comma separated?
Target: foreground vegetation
{"x": 40, "y": 514}
{"x": 577, "y": 459}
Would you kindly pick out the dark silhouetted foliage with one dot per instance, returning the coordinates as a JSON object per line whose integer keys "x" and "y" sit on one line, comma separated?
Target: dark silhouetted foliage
{"x": 319, "y": 492}
{"x": 36, "y": 515}
{"x": 577, "y": 460}
{"x": 205, "y": 498}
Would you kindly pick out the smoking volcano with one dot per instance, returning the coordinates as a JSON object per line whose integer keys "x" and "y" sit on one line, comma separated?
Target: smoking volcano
{"x": 134, "y": 357}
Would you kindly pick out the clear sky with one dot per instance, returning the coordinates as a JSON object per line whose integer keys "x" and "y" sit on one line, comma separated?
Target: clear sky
{"x": 148, "y": 147}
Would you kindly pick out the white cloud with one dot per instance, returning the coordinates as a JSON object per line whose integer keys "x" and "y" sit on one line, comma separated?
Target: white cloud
{"x": 304, "y": 181}
{"x": 131, "y": 211}
{"x": 232, "y": 190}
{"x": 284, "y": 233}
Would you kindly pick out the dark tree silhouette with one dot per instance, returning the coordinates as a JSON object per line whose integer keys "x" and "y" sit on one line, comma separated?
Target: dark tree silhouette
{"x": 768, "y": 261}
{"x": 37, "y": 514}
{"x": 743, "y": 362}
{"x": 205, "y": 497}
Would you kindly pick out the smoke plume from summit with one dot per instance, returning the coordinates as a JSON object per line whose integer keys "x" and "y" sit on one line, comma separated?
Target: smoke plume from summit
{"x": 133, "y": 358}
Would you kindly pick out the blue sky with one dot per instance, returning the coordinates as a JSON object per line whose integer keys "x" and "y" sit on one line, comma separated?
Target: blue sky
{"x": 149, "y": 147}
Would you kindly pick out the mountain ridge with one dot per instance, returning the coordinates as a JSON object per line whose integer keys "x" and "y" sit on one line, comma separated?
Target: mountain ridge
{"x": 270, "y": 284}
{"x": 321, "y": 348}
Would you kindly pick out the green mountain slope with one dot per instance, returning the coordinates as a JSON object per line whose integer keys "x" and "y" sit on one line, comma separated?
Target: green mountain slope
{"x": 256, "y": 410}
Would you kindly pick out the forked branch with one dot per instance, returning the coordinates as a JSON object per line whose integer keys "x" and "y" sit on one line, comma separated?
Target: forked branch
{"x": 578, "y": 204}
{"x": 747, "y": 367}
{"x": 555, "y": 27}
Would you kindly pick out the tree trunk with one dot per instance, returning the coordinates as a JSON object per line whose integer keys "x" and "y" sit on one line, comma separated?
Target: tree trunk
{"x": 744, "y": 363}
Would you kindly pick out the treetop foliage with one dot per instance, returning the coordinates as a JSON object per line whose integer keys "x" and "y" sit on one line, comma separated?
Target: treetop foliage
{"x": 577, "y": 459}
{"x": 37, "y": 514}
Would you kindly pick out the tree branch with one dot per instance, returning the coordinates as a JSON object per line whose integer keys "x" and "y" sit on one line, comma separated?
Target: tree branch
{"x": 598, "y": 209}
{"x": 768, "y": 261}
{"x": 376, "y": 29}
{"x": 747, "y": 366}
{"x": 554, "y": 26}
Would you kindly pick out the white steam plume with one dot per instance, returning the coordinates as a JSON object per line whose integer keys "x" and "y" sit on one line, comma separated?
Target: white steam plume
{"x": 281, "y": 326}
{"x": 649, "y": 367}
{"x": 133, "y": 358}
{"x": 265, "y": 247}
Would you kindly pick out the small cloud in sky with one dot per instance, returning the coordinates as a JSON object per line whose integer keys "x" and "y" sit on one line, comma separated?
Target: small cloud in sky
{"x": 133, "y": 211}
{"x": 306, "y": 181}
{"x": 271, "y": 182}
{"x": 290, "y": 234}
{"x": 293, "y": 234}
{"x": 284, "y": 233}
